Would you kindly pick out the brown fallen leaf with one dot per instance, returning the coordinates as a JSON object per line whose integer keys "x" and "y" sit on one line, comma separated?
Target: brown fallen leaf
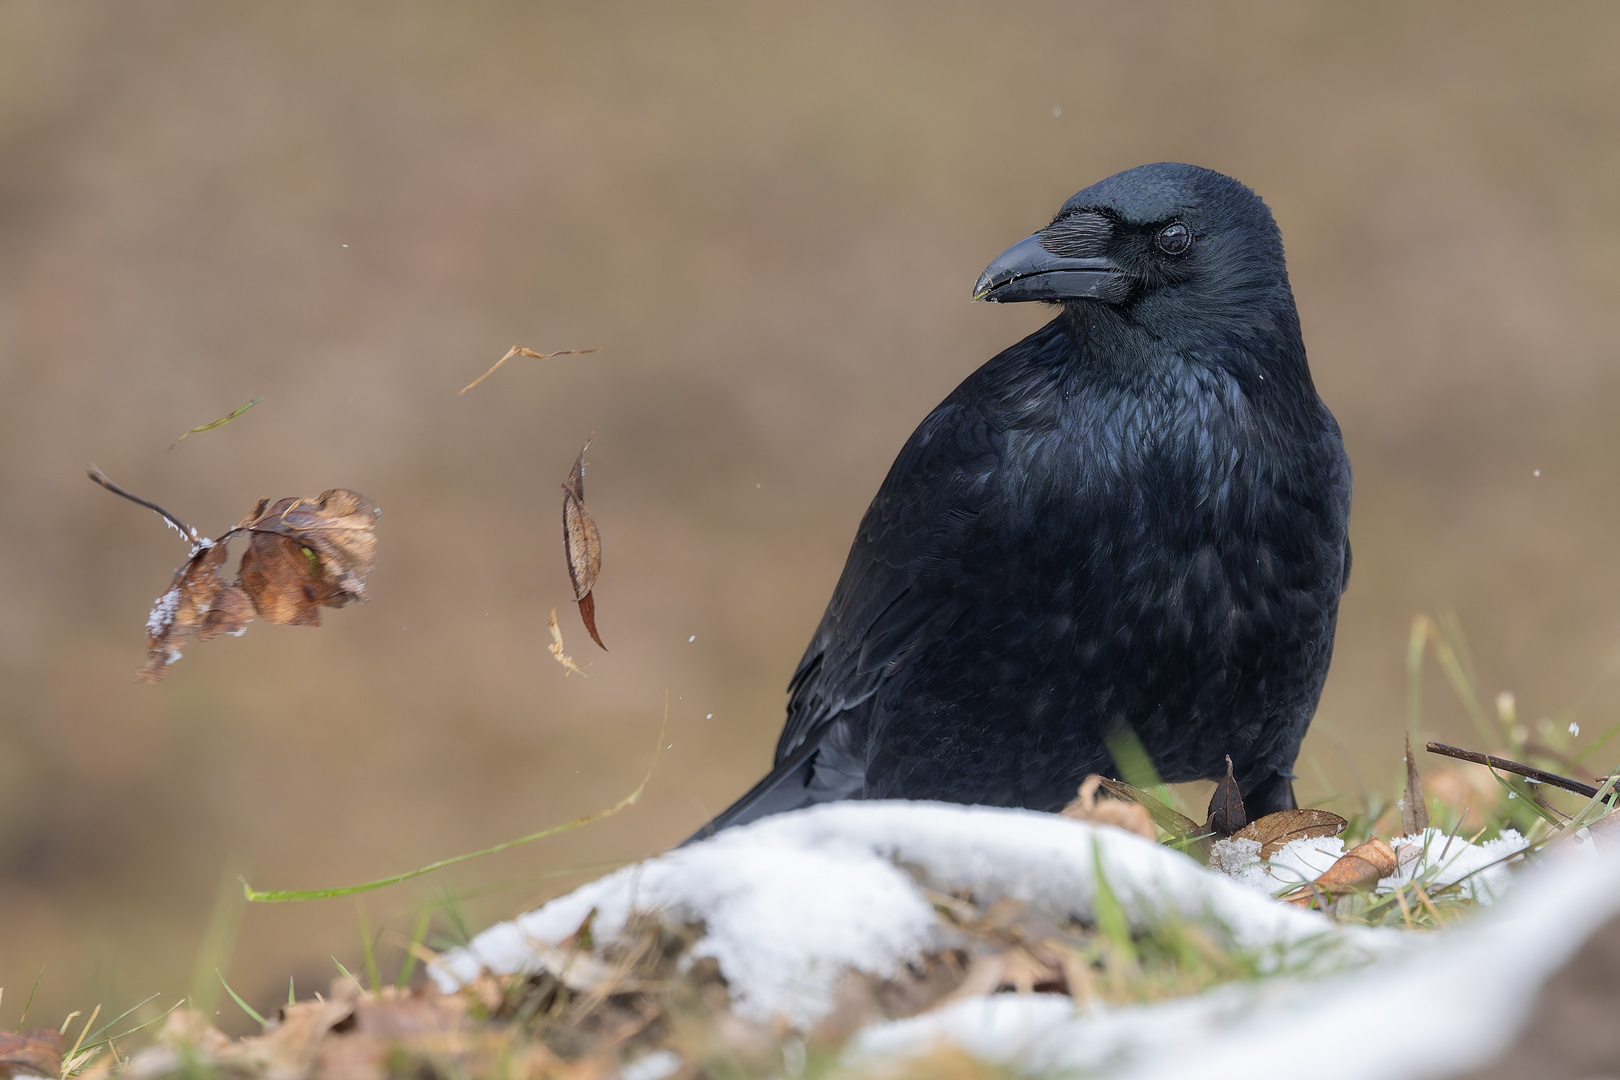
{"x": 1124, "y": 814}
{"x": 582, "y": 543}
{"x": 523, "y": 350}
{"x": 1359, "y": 868}
{"x": 303, "y": 554}
{"x": 1414, "y": 809}
{"x": 38, "y": 1053}
{"x": 1226, "y": 814}
{"x": 1275, "y": 831}
{"x": 556, "y": 649}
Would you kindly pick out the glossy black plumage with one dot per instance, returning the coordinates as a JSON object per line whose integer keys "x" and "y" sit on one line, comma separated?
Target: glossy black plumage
{"x": 1134, "y": 518}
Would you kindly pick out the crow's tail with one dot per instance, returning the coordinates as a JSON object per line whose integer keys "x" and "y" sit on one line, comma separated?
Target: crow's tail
{"x": 786, "y": 787}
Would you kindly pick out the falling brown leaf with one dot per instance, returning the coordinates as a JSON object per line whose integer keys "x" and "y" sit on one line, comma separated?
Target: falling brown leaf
{"x": 556, "y": 648}
{"x": 1226, "y": 814}
{"x": 1274, "y": 831}
{"x": 1124, "y": 814}
{"x": 1359, "y": 868}
{"x": 582, "y": 543}
{"x": 303, "y": 554}
{"x": 523, "y": 350}
{"x": 1414, "y": 808}
{"x": 38, "y": 1053}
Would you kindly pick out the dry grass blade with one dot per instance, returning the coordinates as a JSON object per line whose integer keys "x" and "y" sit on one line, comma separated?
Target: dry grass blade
{"x": 556, "y": 648}
{"x": 524, "y": 350}
{"x": 1414, "y": 807}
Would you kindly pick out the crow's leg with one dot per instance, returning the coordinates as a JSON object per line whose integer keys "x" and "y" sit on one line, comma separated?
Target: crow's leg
{"x": 1274, "y": 792}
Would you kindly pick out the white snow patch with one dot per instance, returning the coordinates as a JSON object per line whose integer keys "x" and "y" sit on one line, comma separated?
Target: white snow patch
{"x": 790, "y": 903}
{"x": 1432, "y": 857}
{"x": 1472, "y": 986}
{"x": 161, "y": 617}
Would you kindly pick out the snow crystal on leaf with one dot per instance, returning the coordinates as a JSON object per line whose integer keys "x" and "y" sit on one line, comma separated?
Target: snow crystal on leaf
{"x": 162, "y": 613}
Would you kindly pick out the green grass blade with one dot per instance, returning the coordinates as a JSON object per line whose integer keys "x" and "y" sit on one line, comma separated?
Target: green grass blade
{"x": 245, "y": 1007}
{"x": 278, "y": 896}
{"x": 1111, "y": 918}
{"x": 212, "y": 424}
{"x": 30, "y": 1002}
{"x": 368, "y": 949}
{"x": 407, "y": 963}
{"x": 343, "y": 970}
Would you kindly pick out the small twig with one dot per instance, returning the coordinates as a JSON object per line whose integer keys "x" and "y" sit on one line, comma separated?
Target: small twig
{"x": 100, "y": 477}
{"x": 524, "y": 350}
{"x": 1529, "y": 772}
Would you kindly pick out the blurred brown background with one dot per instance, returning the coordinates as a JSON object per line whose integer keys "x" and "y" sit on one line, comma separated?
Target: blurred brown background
{"x": 769, "y": 217}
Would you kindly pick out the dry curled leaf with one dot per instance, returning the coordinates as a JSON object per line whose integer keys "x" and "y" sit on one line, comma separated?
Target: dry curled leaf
{"x": 38, "y": 1053}
{"x": 1124, "y": 814}
{"x": 556, "y": 648}
{"x": 303, "y": 554}
{"x": 1275, "y": 831}
{"x": 1226, "y": 814}
{"x": 1362, "y": 867}
{"x": 1414, "y": 808}
{"x": 582, "y": 543}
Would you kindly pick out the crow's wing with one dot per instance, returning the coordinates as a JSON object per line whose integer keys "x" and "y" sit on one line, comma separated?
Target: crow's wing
{"x": 898, "y": 590}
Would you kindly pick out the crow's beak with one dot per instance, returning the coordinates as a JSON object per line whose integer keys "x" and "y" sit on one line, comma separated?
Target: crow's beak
{"x": 1027, "y": 271}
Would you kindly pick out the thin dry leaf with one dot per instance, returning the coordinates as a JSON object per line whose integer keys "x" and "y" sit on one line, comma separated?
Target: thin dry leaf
{"x": 1124, "y": 814}
{"x": 1226, "y": 814}
{"x": 556, "y": 648}
{"x": 524, "y": 350}
{"x": 1167, "y": 818}
{"x": 582, "y": 543}
{"x": 1362, "y": 867}
{"x": 1275, "y": 831}
{"x": 1414, "y": 809}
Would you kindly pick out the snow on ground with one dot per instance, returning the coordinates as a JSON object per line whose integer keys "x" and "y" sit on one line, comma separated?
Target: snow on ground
{"x": 790, "y": 903}
{"x": 1432, "y": 858}
{"x": 1443, "y": 1004}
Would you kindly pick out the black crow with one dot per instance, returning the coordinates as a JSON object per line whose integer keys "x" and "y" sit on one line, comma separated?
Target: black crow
{"x": 1131, "y": 522}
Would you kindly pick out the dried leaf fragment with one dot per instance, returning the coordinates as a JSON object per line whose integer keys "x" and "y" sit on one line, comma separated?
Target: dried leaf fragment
{"x": 582, "y": 543}
{"x": 1362, "y": 867}
{"x": 1414, "y": 808}
{"x": 1124, "y": 814}
{"x": 522, "y": 350}
{"x": 556, "y": 648}
{"x": 38, "y": 1053}
{"x": 1226, "y": 814}
{"x": 305, "y": 554}
{"x": 1275, "y": 831}
{"x": 197, "y": 603}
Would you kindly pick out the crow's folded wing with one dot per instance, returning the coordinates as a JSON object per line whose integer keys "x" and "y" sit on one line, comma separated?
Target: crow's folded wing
{"x": 898, "y": 590}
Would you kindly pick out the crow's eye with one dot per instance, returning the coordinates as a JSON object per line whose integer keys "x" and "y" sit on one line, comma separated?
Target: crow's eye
{"x": 1174, "y": 238}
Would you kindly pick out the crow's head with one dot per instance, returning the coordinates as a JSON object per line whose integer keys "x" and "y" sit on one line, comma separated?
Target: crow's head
{"x": 1169, "y": 246}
